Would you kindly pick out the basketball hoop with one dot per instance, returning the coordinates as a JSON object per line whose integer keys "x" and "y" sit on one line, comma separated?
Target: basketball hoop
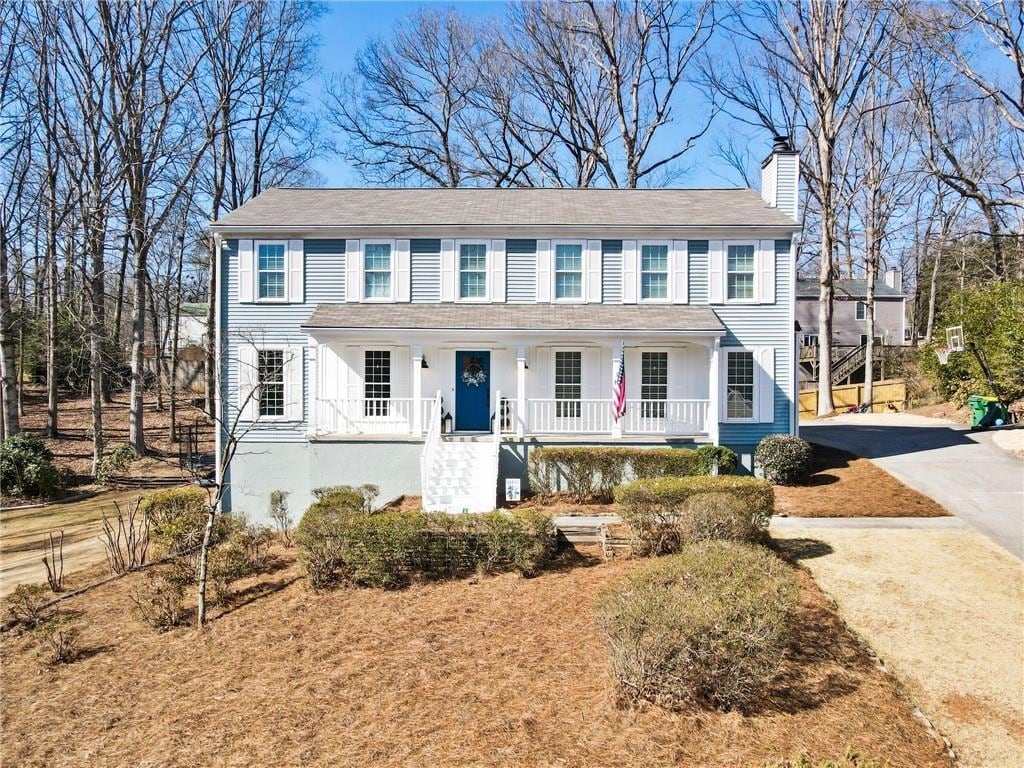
{"x": 955, "y": 338}
{"x": 943, "y": 354}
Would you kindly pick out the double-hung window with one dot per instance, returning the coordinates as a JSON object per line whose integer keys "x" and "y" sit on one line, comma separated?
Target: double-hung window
{"x": 740, "y": 372}
{"x": 740, "y": 272}
{"x": 377, "y": 382}
{"x": 654, "y": 271}
{"x": 270, "y": 270}
{"x": 270, "y": 382}
{"x": 861, "y": 310}
{"x": 653, "y": 384}
{"x": 568, "y": 271}
{"x": 568, "y": 383}
{"x": 472, "y": 271}
{"x": 377, "y": 270}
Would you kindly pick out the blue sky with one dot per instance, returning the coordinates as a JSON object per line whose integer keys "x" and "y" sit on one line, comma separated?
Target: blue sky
{"x": 347, "y": 26}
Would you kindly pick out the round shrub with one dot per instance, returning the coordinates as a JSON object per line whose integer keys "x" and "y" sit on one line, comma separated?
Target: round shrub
{"x": 709, "y": 456}
{"x": 718, "y": 516}
{"x": 784, "y": 459}
{"x": 706, "y": 627}
{"x": 321, "y": 533}
{"x": 177, "y": 520}
{"x": 27, "y": 469}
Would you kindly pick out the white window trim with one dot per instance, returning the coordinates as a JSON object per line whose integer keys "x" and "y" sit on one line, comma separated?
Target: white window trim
{"x": 755, "y": 299}
{"x": 856, "y": 311}
{"x": 362, "y": 272}
{"x": 256, "y": 273}
{"x": 486, "y": 298}
{"x": 582, "y": 298}
{"x": 640, "y": 272}
{"x": 290, "y": 358}
{"x": 724, "y": 392}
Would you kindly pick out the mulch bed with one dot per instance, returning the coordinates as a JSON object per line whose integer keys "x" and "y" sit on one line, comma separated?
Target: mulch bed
{"x": 485, "y": 671}
{"x": 844, "y": 485}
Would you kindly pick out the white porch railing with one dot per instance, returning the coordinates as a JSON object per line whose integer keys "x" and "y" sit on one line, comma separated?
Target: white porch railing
{"x": 433, "y": 437}
{"x": 549, "y": 416}
{"x": 373, "y": 416}
{"x": 665, "y": 417}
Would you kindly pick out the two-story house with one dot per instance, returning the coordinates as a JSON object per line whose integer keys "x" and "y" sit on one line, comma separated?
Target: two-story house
{"x": 425, "y": 340}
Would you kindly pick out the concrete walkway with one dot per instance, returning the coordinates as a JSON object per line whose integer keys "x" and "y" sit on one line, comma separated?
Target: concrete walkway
{"x": 963, "y": 471}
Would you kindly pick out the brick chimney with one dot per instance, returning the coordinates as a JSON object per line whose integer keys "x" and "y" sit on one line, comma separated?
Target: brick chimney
{"x": 780, "y": 178}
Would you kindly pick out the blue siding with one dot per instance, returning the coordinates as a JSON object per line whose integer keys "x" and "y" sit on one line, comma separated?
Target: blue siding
{"x": 521, "y": 271}
{"x": 698, "y": 272}
{"x": 425, "y": 270}
{"x": 611, "y": 271}
{"x": 764, "y": 325}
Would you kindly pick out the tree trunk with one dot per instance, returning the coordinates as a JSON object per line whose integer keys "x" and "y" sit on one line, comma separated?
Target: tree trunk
{"x": 10, "y": 424}
{"x": 869, "y": 350}
{"x": 825, "y": 276}
{"x": 173, "y": 384}
{"x": 136, "y": 436}
{"x": 932, "y": 290}
{"x": 211, "y": 335}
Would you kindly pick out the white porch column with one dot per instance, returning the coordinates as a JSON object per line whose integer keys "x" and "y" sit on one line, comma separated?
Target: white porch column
{"x": 520, "y": 391}
{"x": 313, "y": 354}
{"x": 618, "y": 359}
{"x": 714, "y": 408}
{"x": 417, "y": 390}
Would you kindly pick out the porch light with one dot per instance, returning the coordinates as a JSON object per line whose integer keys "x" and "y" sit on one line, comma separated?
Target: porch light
{"x": 423, "y": 362}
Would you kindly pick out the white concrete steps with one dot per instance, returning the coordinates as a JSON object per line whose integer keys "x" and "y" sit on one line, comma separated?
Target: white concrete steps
{"x": 461, "y": 477}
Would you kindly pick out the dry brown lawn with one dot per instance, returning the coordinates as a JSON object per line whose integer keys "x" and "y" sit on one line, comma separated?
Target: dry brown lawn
{"x": 844, "y": 485}
{"x": 500, "y": 671}
{"x": 945, "y": 609}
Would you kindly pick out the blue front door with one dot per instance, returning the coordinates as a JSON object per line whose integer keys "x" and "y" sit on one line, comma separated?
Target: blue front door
{"x": 473, "y": 391}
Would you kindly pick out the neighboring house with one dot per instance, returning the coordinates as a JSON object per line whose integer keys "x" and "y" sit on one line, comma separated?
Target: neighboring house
{"x": 356, "y": 326}
{"x": 192, "y": 347}
{"x": 191, "y": 326}
{"x": 850, "y": 311}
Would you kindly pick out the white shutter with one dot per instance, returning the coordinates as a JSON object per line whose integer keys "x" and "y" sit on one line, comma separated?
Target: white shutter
{"x": 545, "y": 374}
{"x": 595, "y": 384}
{"x": 247, "y": 398}
{"x": 765, "y": 384}
{"x": 296, "y": 272}
{"x": 723, "y": 384}
{"x": 716, "y": 272}
{"x": 680, "y": 272}
{"x": 543, "y": 270}
{"x": 246, "y": 272}
{"x": 353, "y": 271}
{"x": 593, "y": 269}
{"x": 354, "y": 358}
{"x": 293, "y": 370}
{"x": 677, "y": 373}
{"x": 402, "y": 270}
{"x": 766, "y": 272}
{"x": 447, "y": 270}
{"x": 629, "y": 272}
{"x": 401, "y": 370}
{"x": 497, "y": 270}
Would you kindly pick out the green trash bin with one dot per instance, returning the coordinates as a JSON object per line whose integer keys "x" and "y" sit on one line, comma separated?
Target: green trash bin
{"x": 985, "y": 411}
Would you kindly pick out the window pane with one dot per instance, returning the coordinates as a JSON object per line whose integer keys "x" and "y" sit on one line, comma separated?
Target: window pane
{"x": 378, "y": 285}
{"x": 740, "y": 268}
{"x": 473, "y": 285}
{"x": 377, "y": 256}
{"x": 568, "y": 285}
{"x": 271, "y": 257}
{"x": 568, "y": 380}
{"x": 653, "y": 383}
{"x": 270, "y": 268}
{"x": 270, "y": 373}
{"x": 377, "y": 382}
{"x": 741, "y": 286}
{"x": 654, "y": 286}
{"x": 741, "y": 258}
{"x": 568, "y": 258}
{"x": 740, "y": 385}
{"x": 271, "y": 285}
{"x": 473, "y": 271}
{"x": 654, "y": 258}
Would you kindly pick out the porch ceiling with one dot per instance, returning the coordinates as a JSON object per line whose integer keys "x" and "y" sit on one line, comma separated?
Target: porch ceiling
{"x": 517, "y": 317}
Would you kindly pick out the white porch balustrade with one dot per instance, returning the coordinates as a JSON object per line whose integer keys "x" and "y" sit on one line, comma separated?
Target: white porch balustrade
{"x": 373, "y": 416}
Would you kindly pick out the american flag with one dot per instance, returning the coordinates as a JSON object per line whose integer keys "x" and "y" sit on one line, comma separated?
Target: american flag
{"x": 619, "y": 391}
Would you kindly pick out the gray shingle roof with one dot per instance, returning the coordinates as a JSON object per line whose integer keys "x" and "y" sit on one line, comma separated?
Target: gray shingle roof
{"x": 298, "y": 208}
{"x": 845, "y": 287}
{"x": 518, "y": 317}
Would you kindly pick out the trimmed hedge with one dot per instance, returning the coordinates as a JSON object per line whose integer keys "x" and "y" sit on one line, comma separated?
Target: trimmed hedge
{"x": 591, "y": 473}
{"x": 339, "y": 542}
{"x": 655, "y": 508}
{"x": 709, "y": 626}
{"x": 784, "y": 459}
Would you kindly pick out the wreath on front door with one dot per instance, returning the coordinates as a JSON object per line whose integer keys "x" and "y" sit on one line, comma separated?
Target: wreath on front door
{"x": 473, "y": 373}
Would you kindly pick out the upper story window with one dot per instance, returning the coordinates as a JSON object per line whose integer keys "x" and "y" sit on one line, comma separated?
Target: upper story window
{"x": 377, "y": 270}
{"x": 472, "y": 271}
{"x": 654, "y": 272}
{"x": 740, "y": 272}
{"x": 739, "y": 385}
{"x": 270, "y": 269}
{"x": 568, "y": 383}
{"x": 653, "y": 384}
{"x": 568, "y": 271}
{"x": 270, "y": 372}
{"x": 862, "y": 310}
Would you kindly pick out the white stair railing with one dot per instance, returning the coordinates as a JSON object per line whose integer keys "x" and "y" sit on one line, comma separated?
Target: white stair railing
{"x": 497, "y": 443}
{"x": 430, "y": 444}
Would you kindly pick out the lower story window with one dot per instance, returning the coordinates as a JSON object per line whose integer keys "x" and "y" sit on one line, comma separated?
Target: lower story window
{"x": 568, "y": 383}
{"x": 740, "y": 385}
{"x": 653, "y": 384}
{"x": 377, "y": 382}
{"x": 270, "y": 368}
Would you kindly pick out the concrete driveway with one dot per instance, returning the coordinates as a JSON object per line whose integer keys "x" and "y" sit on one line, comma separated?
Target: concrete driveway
{"x": 963, "y": 471}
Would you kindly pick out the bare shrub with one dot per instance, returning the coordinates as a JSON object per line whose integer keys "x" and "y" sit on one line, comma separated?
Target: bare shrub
{"x": 706, "y": 627}
{"x": 852, "y": 759}
{"x": 59, "y": 641}
{"x": 53, "y": 561}
{"x": 126, "y": 540}
{"x": 27, "y": 605}
{"x": 282, "y": 518}
{"x": 160, "y": 599}
{"x": 718, "y": 516}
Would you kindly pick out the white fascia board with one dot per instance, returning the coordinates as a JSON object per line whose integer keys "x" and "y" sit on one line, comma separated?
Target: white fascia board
{"x": 554, "y": 231}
